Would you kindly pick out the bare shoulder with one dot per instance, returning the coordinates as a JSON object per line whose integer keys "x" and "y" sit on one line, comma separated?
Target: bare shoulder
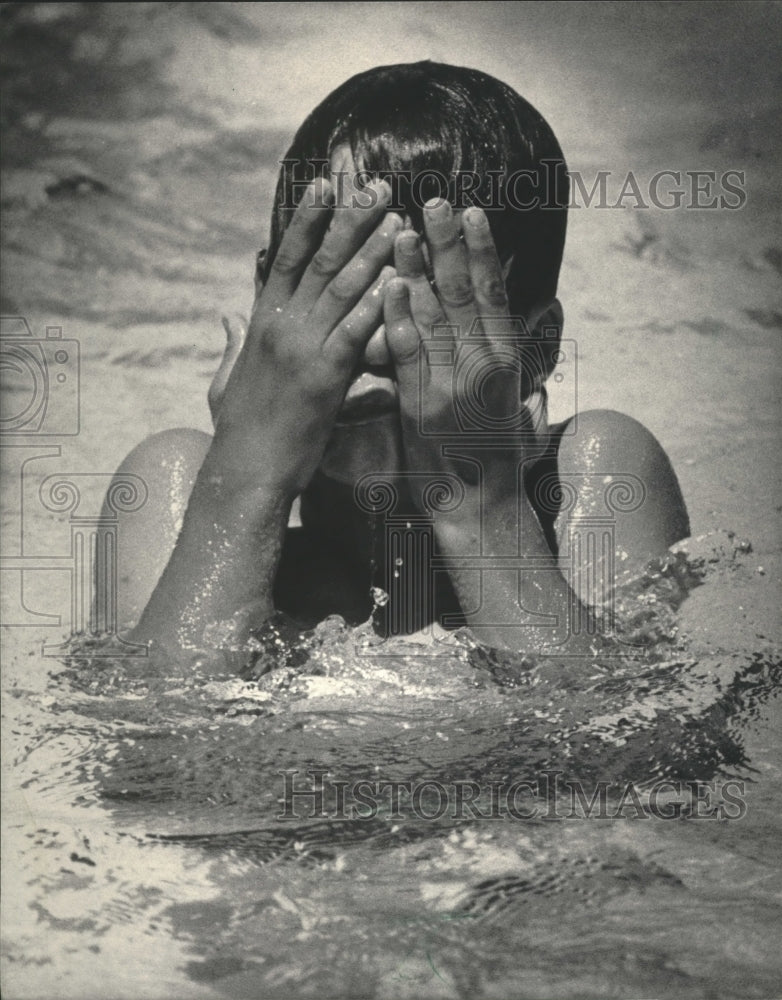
{"x": 610, "y": 436}
{"x": 166, "y": 465}
{"x": 610, "y": 465}
{"x": 182, "y": 447}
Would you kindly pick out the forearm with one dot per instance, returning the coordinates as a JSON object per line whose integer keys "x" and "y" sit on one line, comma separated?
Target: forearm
{"x": 274, "y": 414}
{"x": 514, "y": 593}
{"x": 219, "y": 580}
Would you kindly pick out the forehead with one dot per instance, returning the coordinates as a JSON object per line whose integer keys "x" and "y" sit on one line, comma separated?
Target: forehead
{"x": 343, "y": 173}
{"x": 341, "y": 158}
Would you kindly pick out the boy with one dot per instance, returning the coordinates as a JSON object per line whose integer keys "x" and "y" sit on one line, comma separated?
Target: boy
{"x": 404, "y": 325}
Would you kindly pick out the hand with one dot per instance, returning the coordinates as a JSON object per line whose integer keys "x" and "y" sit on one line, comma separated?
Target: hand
{"x": 480, "y": 390}
{"x": 472, "y": 414}
{"x": 309, "y": 326}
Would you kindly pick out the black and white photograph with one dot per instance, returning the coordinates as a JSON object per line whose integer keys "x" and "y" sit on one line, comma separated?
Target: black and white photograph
{"x": 390, "y": 556}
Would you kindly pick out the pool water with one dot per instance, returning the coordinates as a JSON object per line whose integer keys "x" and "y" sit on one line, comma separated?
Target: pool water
{"x": 153, "y": 846}
{"x": 155, "y": 832}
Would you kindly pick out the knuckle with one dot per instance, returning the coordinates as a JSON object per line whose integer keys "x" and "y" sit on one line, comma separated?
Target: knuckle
{"x": 443, "y": 242}
{"x": 347, "y": 334}
{"x": 427, "y": 319}
{"x": 455, "y": 290}
{"x": 271, "y": 332}
{"x": 403, "y": 342}
{"x": 317, "y": 383}
{"x": 407, "y": 353}
{"x": 492, "y": 291}
{"x": 275, "y": 352}
{"x": 342, "y": 288}
{"x": 286, "y": 262}
{"x": 280, "y": 348}
{"x": 325, "y": 264}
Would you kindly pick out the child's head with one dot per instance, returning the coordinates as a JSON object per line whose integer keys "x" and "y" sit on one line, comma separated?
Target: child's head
{"x": 445, "y": 131}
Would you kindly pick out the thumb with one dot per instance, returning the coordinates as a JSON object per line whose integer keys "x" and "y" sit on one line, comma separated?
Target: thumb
{"x": 236, "y": 332}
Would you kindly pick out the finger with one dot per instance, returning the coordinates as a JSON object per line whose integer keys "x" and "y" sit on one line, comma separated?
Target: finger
{"x": 409, "y": 258}
{"x": 351, "y": 227}
{"x": 349, "y": 338}
{"x": 449, "y": 263}
{"x": 409, "y": 263}
{"x": 404, "y": 342}
{"x": 484, "y": 264}
{"x": 260, "y": 269}
{"x": 376, "y": 350}
{"x": 342, "y": 293}
{"x": 301, "y": 240}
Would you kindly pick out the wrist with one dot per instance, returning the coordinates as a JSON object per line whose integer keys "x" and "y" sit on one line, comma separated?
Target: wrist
{"x": 480, "y": 525}
{"x": 236, "y": 471}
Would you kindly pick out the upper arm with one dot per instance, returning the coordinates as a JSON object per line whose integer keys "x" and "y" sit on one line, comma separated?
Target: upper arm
{"x": 619, "y": 490}
{"x": 166, "y": 465}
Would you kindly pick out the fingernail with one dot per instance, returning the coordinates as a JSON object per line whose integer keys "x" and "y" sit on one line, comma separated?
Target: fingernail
{"x": 438, "y": 205}
{"x": 381, "y": 187}
{"x": 407, "y": 242}
{"x": 475, "y": 217}
{"x": 391, "y": 225}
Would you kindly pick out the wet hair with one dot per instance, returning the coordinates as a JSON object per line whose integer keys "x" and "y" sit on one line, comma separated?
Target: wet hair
{"x": 437, "y": 124}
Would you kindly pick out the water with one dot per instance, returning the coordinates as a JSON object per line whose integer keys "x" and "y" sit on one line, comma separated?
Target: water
{"x": 147, "y": 851}
{"x": 154, "y": 842}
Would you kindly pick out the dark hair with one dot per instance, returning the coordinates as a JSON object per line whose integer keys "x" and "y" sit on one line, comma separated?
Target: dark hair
{"x": 445, "y": 120}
